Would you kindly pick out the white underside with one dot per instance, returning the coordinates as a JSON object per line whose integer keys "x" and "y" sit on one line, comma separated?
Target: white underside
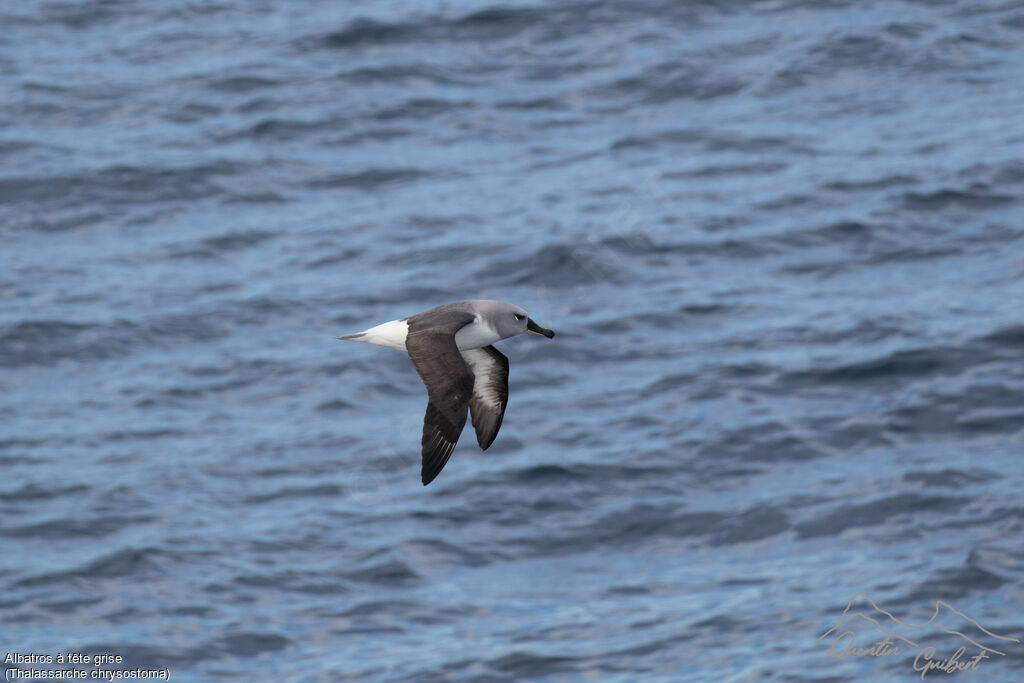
{"x": 393, "y": 334}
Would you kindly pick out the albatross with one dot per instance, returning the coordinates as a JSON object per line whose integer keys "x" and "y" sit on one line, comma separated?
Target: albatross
{"x": 451, "y": 348}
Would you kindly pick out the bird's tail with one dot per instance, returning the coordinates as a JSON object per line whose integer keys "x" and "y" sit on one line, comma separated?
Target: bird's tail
{"x": 358, "y": 336}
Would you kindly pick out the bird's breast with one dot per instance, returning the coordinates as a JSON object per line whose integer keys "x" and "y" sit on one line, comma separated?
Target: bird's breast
{"x": 475, "y": 335}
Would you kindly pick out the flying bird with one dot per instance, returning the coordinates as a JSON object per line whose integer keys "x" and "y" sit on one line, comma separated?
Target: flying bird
{"x": 451, "y": 348}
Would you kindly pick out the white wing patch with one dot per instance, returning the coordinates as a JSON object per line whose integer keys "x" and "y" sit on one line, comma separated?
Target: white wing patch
{"x": 482, "y": 366}
{"x": 490, "y": 391}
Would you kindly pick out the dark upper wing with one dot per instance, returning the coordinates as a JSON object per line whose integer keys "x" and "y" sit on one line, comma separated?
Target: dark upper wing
{"x": 490, "y": 391}
{"x": 431, "y": 346}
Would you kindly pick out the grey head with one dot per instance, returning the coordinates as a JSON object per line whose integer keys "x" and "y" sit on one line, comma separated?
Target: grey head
{"x": 506, "y": 319}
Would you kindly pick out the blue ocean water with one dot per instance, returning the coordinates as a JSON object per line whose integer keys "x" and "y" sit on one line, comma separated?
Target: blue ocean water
{"x": 780, "y": 243}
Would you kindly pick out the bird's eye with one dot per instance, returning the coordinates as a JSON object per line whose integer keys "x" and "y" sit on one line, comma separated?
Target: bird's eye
{"x": 518, "y": 317}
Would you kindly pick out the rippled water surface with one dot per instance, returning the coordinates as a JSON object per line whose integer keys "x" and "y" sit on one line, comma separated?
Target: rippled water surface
{"x": 780, "y": 243}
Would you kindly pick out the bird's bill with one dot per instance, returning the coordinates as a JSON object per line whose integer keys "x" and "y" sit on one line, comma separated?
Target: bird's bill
{"x": 537, "y": 329}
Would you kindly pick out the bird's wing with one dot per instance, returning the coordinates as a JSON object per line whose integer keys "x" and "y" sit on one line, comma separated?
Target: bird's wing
{"x": 490, "y": 391}
{"x": 449, "y": 384}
